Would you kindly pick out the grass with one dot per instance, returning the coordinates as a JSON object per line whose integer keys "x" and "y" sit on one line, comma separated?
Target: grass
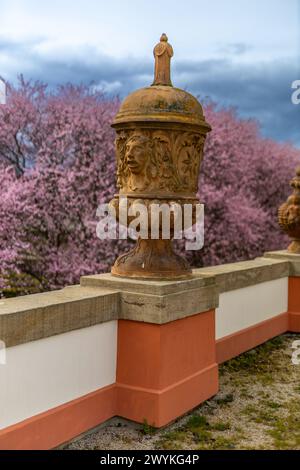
{"x": 256, "y": 361}
{"x": 200, "y": 433}
{"x": 265, "y": 416}
{"x": 147, "y": 428}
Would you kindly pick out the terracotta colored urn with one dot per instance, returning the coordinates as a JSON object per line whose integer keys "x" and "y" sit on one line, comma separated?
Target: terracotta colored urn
{"x": 289, "y": 215}
{"x": 160, "y": 135}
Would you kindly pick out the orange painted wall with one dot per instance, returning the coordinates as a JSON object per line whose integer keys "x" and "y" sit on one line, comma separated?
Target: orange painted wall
{"x": 162, "y": 372}
{"x": 232, "y": 345}
{"x": 165, "y": 370}
{"x": 294, "y": 304}
{"x": 58, "y": 425}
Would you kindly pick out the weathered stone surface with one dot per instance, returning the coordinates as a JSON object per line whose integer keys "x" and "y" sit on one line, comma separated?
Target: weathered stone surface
{"x": 159, "y": 301}
{"x": 246, "y": 273}
{"x": 37, "y": 316}
{"x": 160, "y": 136}
{"x": 292, "y": 258}
{"x": 166, "y": 308}
{"x": 289, "y": 215}
{"x": 162, "y": 287}
{"x": 103, "y": 297}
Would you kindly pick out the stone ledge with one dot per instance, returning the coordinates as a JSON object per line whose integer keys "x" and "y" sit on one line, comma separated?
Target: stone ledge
{"x": 234, "y": 276}
{"x": 160, "y": 287}
{"x": 103, "y": 297}
{"x": 292, "y": 258}
{"x": 167, "y": 308}
{"x": 159, "y": 301}
{"x": 32, "y": 317}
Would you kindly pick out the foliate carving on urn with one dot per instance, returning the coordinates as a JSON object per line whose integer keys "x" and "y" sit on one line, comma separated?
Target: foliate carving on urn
{"x": 157, "y": 160}
{"x": 289, "y": 215}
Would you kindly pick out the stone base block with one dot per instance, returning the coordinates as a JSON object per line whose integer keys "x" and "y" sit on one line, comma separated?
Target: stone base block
{"x": 165, "y": 370}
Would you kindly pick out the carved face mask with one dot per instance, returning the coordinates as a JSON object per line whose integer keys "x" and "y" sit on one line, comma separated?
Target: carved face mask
{"x": 136, "y": 157}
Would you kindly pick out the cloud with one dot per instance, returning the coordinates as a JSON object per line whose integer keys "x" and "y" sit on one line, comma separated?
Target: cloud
{"x": 259, "y": 90}
{"x": 109, "y": 87}
{"x": 237, "y": 48}
{"x": 17, "y": 48}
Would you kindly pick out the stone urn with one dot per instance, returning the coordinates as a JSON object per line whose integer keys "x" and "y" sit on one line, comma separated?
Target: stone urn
{"x": 160, "y": 135}
{"x": 289, "y": 215}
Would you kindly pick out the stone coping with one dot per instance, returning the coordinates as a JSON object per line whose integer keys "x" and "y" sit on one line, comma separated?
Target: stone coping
{"x": 292, "y": 258}
{"x": 159, "y": 287}
{"x": 234, "y": 276}
{"x": 103, "y": 297}
{"x": 31, "y": 317}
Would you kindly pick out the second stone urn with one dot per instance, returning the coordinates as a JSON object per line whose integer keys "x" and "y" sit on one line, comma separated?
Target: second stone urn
{"x": 160, "y": 135}
{"x": 289, "y": 215}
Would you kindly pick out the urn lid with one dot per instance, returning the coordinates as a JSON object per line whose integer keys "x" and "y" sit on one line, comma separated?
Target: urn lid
{"x": 161, "y": 102}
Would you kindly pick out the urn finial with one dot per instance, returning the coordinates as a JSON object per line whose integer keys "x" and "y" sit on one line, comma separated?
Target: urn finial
{"x": 162, "y": 52}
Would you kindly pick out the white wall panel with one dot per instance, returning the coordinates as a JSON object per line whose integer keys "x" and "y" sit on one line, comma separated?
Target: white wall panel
{"x": 46, "y": 373}
{"x": 238, "y": 309}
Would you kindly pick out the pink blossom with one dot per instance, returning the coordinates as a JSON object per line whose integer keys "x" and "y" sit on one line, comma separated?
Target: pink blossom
{"x": 57, "y": 163}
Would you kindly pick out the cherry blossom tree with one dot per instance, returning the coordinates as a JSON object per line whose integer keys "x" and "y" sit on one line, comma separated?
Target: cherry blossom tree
{"x": 57, "y": 164}
{"x": 243, "y": 181}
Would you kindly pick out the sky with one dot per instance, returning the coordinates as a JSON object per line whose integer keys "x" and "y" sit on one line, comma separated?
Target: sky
{"x": 239, "y": 53}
